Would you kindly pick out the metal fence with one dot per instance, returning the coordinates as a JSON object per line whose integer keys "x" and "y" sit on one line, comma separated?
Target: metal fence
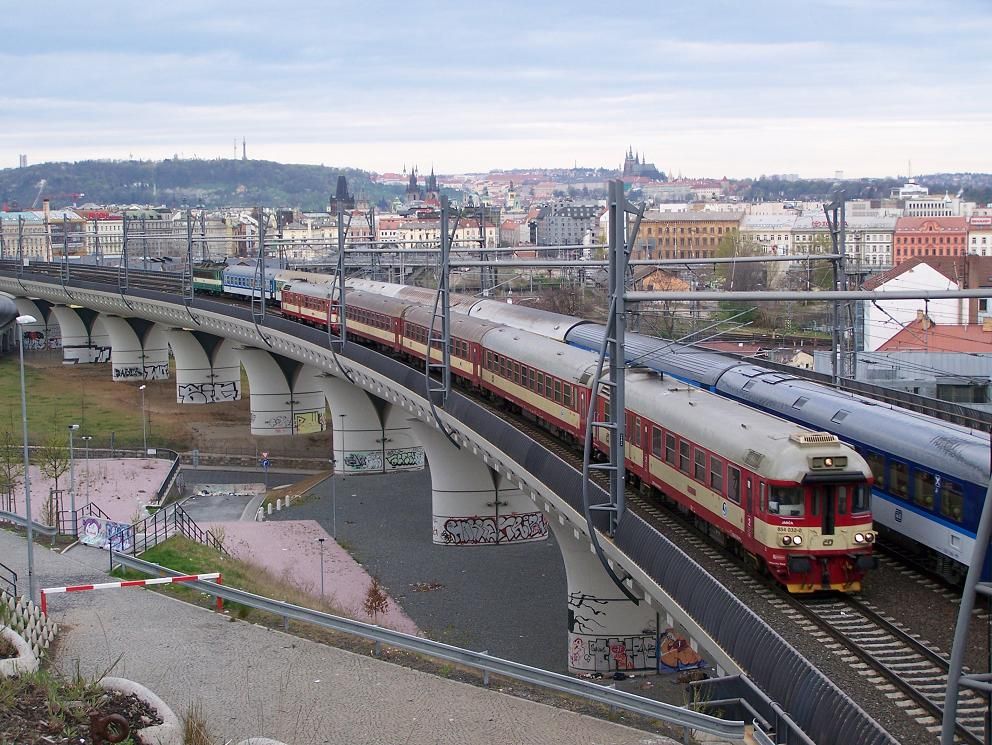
{"x": 673, "y": 715}
{"x": 164, "y": 524}
{"x": 8, "y": 577}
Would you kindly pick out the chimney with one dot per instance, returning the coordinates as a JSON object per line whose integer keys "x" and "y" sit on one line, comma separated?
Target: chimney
{"x": 46, "y": 208}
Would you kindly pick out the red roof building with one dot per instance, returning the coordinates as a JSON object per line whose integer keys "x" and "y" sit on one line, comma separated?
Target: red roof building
{"x": 923, "y": 335}
{"x": 929, "y": 236}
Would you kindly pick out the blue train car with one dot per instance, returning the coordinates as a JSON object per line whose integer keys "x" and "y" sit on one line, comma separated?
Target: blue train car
{"x": 240, "y": 280}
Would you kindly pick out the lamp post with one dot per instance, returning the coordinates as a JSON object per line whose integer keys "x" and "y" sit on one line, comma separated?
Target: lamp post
{"x": 72, "y": 479}
{"x": 144, "y": 427}
{"x": 334, "y": 500}
{"x": 321, "y": 542}
{"x": 86, "y": 439}
{"x": 22, "y": 321}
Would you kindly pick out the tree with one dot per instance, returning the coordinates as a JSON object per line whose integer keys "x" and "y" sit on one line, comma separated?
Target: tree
{"x": 11, "y": 469}
{"x": 53, "y": 456}
{"x": 376, "y": 600}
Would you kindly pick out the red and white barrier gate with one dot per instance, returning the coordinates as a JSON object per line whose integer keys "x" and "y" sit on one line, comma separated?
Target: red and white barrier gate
{"x": 45, "y": 592}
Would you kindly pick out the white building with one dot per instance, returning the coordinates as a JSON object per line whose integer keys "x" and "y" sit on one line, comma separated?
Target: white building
{"x": 980, "y": 232}
{"x": 773, "y": 232}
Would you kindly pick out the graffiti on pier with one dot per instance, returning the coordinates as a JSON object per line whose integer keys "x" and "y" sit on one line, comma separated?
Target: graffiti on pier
{"x": 128, "y": 373}
{"x": 363, "y": 460}
{"x": 490, "y": 529}
{"x": 35, "y": 341}
{"x": 407, "y": 458}
{"x": 307, "y": 422}
{"x": 677, "y": 654}
{"x": 583, "y": 611}
{"x": 100, "y": 354}
{"x": 208, "y": 393}
{"x": 157, "y": 371}
{"x": 610, "y": 654}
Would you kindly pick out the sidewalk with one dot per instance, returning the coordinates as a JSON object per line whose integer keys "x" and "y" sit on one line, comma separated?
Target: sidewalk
{"x": 254, "y": 681}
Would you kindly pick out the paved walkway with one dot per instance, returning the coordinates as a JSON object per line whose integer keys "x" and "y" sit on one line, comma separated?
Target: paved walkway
{"x": 254, "y": 681}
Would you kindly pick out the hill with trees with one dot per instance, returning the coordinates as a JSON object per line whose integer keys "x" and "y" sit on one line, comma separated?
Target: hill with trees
{"x": 177, "y": 182}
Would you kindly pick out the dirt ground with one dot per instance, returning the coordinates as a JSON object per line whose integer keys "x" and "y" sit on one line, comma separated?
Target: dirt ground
{"x": 213, "y": 428}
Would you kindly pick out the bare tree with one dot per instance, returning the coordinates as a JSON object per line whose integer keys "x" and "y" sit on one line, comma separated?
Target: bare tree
{"x": 11, "y": 469}
{"x": 53, "y": 457}
{"x": 376, "y": 600}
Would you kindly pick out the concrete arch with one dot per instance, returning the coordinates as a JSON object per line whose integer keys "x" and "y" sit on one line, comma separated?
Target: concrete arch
{"x": 45, "y": 332}
{"x": 139, "y": 350}
{"x": 471, "y": 503}
{"x": 208, "y": 368}
{"x": 84, "y": 337}
{"x": 284, "y": 395}
{"x": 371, "y": 435}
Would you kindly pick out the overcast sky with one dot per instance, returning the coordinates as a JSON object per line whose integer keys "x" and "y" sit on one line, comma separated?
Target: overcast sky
{"x": 703, "y": 88}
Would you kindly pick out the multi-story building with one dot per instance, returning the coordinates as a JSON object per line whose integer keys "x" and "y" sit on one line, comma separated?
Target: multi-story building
{"x": 929, "y": 236}
{"x": 684, "y": 235}
{"x": 869, "y": 241}
{"x": 566, "y": 224}
{"x": 772, "y": 232}
{"x": 980, "y": 232}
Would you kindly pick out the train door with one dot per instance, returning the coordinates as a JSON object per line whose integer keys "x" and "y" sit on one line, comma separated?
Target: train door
{"x": 824, "y": 504}
{"x": 748, "y": 507}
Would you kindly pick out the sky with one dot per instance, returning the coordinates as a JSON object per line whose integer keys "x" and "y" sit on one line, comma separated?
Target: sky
{"x": 704, "y": 88}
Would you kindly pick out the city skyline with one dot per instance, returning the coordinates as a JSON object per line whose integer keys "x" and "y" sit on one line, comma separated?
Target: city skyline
{"x": 720, "y": 90}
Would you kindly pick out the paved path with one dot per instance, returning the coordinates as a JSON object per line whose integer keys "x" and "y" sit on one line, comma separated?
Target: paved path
{"x": 255, "y": 681}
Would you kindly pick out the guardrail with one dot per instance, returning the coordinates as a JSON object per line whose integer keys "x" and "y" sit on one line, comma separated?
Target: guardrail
{"x": 9, "y": 577}
{"x": 46, "y": 530}
{"x": 674, "y": 715}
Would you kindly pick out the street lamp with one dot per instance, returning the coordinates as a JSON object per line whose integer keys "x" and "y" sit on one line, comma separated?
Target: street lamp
{"x": 86, "y": 439}
{"x": 144, "y": 427}
{"x": 334, "y": 500}
{"x": 23, "y": 321}
{"x": 72, "y": 479}
{"x": 321, "y": 542}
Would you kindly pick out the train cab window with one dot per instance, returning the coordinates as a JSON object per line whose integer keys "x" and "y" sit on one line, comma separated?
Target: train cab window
{"x": 951, "y": 500}
{"x": 761, "y": 503}
{"x": 699, "y": 472}
{"x": 841, "y": 500}
{"x": 683, "y": 456}
{"x": 670, "y": 448}
{"x": 876, "y": 463}
{"x": 656, "y": 442}
{"x": 860, "y": 498}
{"x": 900, "y": 478}
{"x": 734, "y": 484}
{"x": 923, "y": 488}
{"x": 716, "y": 474}
{"x": 786, "y": 501}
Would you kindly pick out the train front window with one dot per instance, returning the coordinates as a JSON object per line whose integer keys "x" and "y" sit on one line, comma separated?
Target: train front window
{"x": 951, "y": 500}
{"x": 860, "y": 498}
{"x": 787, "y": 501}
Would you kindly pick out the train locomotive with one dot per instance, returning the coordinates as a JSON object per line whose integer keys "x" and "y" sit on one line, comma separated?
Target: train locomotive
{"x": 791, "y": 501}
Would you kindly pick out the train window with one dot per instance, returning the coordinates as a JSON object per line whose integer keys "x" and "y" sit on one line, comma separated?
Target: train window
{"x": 548, "y": 388}
{"x": 531, "y": 378}
{"x": 923, "y": 488}
{"x": 567, "y": 394}
{"x": 734, "y": 484}
{"x": 900, "y": 478}
{"x": 951, "y": 500}
{"x": 786, "y": 501}
{"x": 683, "y": 456}
{"x": 800, "y": 402}
{"x": 877, "y": 465}
{"x": 656, "y": 442}
{"x": 716, "y": 474}
{"x": 762, "y": 502}
{"x": 540, "y": 384}
{"x": 670, "y": 448}
{"x": 699, "y": 471}
{"x": 860, "y": 498}
{"x": 557, "y": 391}
{"x": 637, "y": 432}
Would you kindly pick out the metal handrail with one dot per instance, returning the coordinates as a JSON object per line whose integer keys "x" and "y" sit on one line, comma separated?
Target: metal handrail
{"x": 45, "y": 530}
{"x": 10, "y": 581}
{"x": 675, "y": 715}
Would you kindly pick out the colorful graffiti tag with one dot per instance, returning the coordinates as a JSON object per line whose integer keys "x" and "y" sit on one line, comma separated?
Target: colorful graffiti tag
{"x": 603, "y": 654}
{"x": 95, "y": 531}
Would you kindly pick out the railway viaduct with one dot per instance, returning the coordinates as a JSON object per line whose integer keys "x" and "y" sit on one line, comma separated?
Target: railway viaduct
{"x": 493, "y": 485}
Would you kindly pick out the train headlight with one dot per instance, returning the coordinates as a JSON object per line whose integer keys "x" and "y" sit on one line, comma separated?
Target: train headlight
{"x": 787, "y": 540}
{"x": 859, "y": 537}
{"x": 870, "y": 537}
{"x": 797, "y": 540}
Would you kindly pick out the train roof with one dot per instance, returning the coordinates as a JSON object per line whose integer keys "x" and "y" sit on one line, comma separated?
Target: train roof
{"x": 908, "y": 436}
{"x": 462, "y": 327}
{"x": 552, "y": 325}
{"x": 761, "y": 442}
{"x": 289, "y": 275}
{"x": 536, "y": 351}
{"x": 423, "y": 295}
{"x": 308, "y": 288}
{"x": 689, "y": 363}
{"x": 377, "y": 303}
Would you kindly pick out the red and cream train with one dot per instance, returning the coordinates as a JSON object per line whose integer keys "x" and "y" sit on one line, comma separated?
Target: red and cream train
{"x": 791, "y": 501}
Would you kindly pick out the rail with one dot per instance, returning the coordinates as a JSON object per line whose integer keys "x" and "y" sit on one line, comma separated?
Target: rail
{"x": 46, "y": 530}
{"x": 8, "y": 577}
{"x": 170, "y": 479}
{"x": 67, "y": 526}
{"x": 164, "y": 524}
{"x": 674, "y": 715}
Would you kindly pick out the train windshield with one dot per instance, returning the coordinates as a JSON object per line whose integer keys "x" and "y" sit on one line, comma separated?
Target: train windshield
{"x": 788, "y": 501}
